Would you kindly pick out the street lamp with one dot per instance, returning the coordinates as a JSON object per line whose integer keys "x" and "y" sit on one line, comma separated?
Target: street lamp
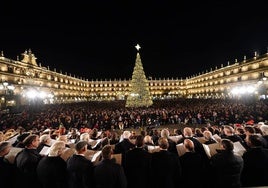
{"x": 36, "y": 97}
{"x": 5, "y": 84}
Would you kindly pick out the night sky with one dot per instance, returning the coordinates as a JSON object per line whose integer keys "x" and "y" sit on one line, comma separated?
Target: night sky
{"x": 96, "y": 39}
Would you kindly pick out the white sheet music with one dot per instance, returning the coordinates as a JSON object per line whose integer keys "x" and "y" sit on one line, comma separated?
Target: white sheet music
{"x": 180, "y": 148}
{"x": 96, "y": 143}
{"x": 207, "y": 150}
{"x": 45, "y": 150}
{"x": 239, "y": 148}
{"x": 13, "y": 139}
{"x": 213, "y": 148}
{"x": 152, "y": 149}
{"x": 96, "y": 156}
{"x": 176, "y": 138}
{"x": 216, "y": 137}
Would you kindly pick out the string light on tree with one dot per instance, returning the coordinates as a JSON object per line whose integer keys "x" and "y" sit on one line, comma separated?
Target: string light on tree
{"x": 139, "y": 88}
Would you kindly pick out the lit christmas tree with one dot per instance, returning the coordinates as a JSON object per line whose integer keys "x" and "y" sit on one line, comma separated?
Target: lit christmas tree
{"x": 139, "y": 95}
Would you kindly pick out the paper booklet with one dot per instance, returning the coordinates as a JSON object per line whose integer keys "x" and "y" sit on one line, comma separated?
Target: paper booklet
{"x": 239, "y": 148}
{"x": 152, "y": 149}
{"x": 45, "y": 150}
{"x": 12, "y": 154}
{"x": 211, "y": 149}
{"x": 176, "y": 138}
{"x": 96, "y": 157}
{"x": 180, "y": 149}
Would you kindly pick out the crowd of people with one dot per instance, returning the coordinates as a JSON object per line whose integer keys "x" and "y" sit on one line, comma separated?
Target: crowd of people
{"x": 148, "y": 150}
{"x": 107, "y": 115}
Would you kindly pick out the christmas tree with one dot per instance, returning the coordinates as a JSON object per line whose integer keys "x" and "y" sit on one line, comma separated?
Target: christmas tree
{"x": 139, "y": 95}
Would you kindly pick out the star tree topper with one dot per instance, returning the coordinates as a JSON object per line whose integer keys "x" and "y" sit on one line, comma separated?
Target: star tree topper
{"x": 137, "y": 47}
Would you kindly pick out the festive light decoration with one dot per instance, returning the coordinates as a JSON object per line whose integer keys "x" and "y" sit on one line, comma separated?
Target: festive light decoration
{"x": 139, "y": 88}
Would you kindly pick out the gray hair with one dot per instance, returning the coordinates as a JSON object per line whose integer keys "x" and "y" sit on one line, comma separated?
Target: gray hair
{"x": 56, "y": 148}
{"x": 44, "y": 138}
{"x": 165, "y": 133}
{"x": 126, "y": 134}
{"x": 85, "y": 137}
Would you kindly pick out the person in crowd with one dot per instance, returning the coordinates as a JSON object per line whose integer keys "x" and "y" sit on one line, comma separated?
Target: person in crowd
{"x": 7, "y": 170}
{"x": 171, "y": 144}
{"x": 229, "y": 112}
{"x": 113, "y": 138}
{"x": 249, "y": 130}
{"x": 264, "y": 130}
{"x": 133, "y": 135}
{"x": 101, "y": 141}
{"x": 45, "y": 140}
{"x": 19, "y": 141}
{"x": 226, "y": 167}
{"x": 148, "y": 141}
{"x": 94, "y": 134}
{"x": 107, "y": 173}
{"x": 165, "y": 167}
{"x": 188, "y": 134}
{"x": 64, "y": 138}
{"x": 52, "y": 169}
{"x": 209, "y": 138}
{"x": 198, "y": 132}
{"x": 229, "y": 133}
{"x": 123, "y": 146}
{"x": 105, "y": 141}
{"x": 79, "y": 168}
{"x": 143, "y": 133}
{"x": 86, "y": 137}
{"x": 240, "y": 131}
{"x": 155, "y": 136}
{"x": 26, "y": 162}
{"x": 137, "y": 165}
{"x": 255, "y": 171}
{"x": 73, "y": 135}
{"x": 193, "y": 165}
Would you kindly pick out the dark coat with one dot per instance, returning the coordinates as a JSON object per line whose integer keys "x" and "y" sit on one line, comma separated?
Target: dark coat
{"x": 80, "y": 172}
{"x": 52, "y": 172}
{"x": 198, "y": 148}
{"x": 26, "y": 161}
{"x": 108, "y": 174}
{"x": 137, "y": 168}
{"x": 123, "y": 146}
{"x": 166, "y": 169}
{"x": 7, "y": 173}
{"x": 193, "y": 165}
{"x": 226, "y": 169}
{"x": 172, "y": 146}
{"x": 255, "y": 172}
{"x": 40, "y": 147}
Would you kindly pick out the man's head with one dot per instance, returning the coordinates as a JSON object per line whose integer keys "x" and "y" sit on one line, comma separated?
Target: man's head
{"x": 227, "y": 144}
{"x": 107, "y": 152}
{"x": 81, "y": 146}
{"x": 163, "y": 143}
